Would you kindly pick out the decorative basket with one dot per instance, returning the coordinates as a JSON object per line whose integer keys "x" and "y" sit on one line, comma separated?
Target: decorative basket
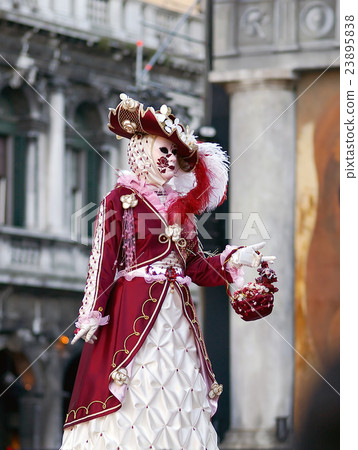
{"x": 255, "y": 300}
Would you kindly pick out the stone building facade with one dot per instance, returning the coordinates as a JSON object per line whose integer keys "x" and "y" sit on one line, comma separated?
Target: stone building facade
{"x": 278, "y": 61}
{"x": 62, "y": 64}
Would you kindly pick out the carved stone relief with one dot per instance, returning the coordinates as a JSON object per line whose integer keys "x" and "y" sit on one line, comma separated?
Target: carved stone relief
{"x": 279, "y": 25}
{"x": 317, "y": 20}
{"x": 255, "y": 23}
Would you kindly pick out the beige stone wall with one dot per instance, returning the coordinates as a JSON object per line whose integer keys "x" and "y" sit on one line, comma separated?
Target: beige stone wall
{"x": 317, "y": 234}
{"x": 180, "y": 6}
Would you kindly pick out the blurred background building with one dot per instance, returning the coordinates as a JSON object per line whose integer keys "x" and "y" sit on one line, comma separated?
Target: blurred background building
{"x": 264, "y": 76}
{"x": 62, "y": 64}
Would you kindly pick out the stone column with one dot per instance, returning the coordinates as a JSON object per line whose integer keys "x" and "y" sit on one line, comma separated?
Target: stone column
{"x": 56, "y": 161}
{"x": 42, "y": 180}
{"x": 262, "y": 188}
{"x": 32, "y": 183}
{"x": 80, "y": 12}
{"x": 115, "y": 13}
{"x": 53, "y": 401}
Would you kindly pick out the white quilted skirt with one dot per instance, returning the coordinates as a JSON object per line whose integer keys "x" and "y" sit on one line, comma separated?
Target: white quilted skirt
{"x": 166, "y": 405}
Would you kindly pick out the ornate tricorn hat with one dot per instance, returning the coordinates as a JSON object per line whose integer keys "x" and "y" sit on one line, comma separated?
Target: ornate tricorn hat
{"x": 130, "y": 118}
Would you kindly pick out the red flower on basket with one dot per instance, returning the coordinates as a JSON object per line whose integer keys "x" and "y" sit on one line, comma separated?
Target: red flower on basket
{"x": 255, "y": 300}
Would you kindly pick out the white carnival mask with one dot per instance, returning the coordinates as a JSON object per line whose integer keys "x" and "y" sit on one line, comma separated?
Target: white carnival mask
{"x": 164, "y": 155}
{"x": 152, "y": 158}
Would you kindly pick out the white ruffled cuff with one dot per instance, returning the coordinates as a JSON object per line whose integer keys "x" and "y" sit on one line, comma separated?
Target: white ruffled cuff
{"x": 236, "y": 271}
{"x": 224, "y": 255}
{"x": 93, "y": 318}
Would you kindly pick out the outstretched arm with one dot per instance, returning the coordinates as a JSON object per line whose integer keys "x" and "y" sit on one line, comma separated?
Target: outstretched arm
{"x": 101, "y": 272}
{"x": 226, "y": 267}
{"x": 204, "y": 270}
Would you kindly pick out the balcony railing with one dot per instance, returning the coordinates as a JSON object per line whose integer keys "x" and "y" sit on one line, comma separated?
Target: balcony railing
{"x": 40, "y": 260}
{"x": 116, "y": 20}
{"x": 97, "y": 12}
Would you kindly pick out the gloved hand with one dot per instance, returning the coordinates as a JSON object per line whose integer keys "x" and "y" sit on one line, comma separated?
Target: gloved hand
{"x": 250, "y": 256}
{"x": 87, "y": 325}
{"x": 86, "y": 332}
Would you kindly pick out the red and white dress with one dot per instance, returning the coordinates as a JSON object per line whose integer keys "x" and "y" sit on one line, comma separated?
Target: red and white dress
{"x": 147, "y": 382}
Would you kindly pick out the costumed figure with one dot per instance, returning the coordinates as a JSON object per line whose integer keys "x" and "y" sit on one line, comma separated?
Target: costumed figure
{"x": 147, "y": 382}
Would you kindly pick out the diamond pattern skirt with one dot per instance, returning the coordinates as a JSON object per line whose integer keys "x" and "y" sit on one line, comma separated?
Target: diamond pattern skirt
{"x": 166, "y": 405}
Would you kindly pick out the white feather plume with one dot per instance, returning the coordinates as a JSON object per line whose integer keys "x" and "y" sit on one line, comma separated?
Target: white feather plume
{"x": 183, "y": 182}
{"x": 217, "y": 163}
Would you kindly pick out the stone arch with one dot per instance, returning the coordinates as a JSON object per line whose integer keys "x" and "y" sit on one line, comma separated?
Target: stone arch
{"x": 87, "y": 117}
{"x": 24, "y": 101}
{"x": 87, "y": 125}
{"x": 14, "y": 107}
{"x": 15, "y": 384}
{"x": 37, "y": 103}
{"x": 91, "y": 103}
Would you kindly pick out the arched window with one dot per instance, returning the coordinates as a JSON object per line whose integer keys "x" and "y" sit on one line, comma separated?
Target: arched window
{"x": 85, "y": 161}
{"x": 17, "y": 400}
{"x": 14, "y": 110}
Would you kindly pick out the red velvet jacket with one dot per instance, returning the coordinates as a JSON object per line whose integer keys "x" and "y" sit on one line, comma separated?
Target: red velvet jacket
{"x": 132, "y": 305}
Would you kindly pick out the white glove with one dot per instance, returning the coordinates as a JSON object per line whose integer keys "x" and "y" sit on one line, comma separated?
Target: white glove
{"x": 87, "y": 325}
{"x": 86, "y": 332}
{"x": 249, "y": 256}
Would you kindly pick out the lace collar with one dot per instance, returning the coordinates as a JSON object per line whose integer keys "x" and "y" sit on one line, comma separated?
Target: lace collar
{"x": 130, "y": 180}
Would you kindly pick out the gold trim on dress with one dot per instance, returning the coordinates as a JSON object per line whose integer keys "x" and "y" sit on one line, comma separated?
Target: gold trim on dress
{"x": 143, "y": 316}
{"x": 163, "y": 239}
{"x": 95, "y": 264}
{"x": 181, "y": 243}
{"x": 75, "y": 411}
{"x": 196, "y": 329}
